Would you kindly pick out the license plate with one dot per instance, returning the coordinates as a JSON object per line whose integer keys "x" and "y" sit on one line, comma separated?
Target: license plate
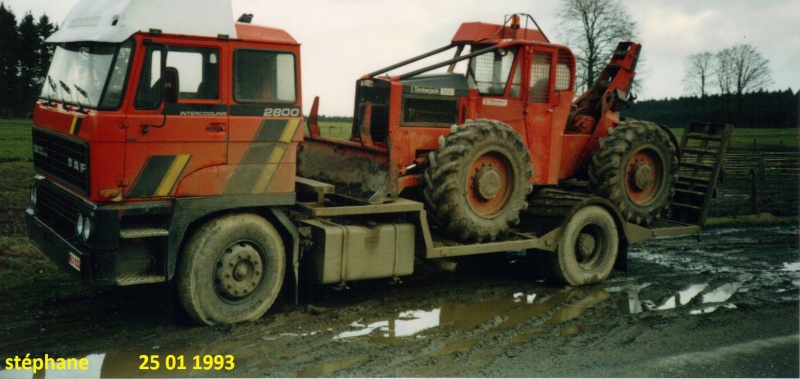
{"x": 74, "y": 261}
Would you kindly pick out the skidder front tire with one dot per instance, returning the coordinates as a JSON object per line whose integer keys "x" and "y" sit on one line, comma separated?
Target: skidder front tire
{"x": 635, "y": 167}
{"x": 587, "y": 249}
{"x": 478, "y": 180}
{"x": 231, "y": 270}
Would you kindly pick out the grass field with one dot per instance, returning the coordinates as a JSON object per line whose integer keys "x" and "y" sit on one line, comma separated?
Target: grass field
{"x": 761, "y": 139}
{"x": 338, "y": 130}
{"x": 15, "y": 140}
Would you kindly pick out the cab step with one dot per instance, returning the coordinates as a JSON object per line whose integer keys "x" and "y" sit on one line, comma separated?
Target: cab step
{"x": 130, "y": 233}
{"x": 133, "y": 279}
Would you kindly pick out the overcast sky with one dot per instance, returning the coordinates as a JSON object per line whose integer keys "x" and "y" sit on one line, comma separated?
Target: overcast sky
{"x": 345, "y": 39}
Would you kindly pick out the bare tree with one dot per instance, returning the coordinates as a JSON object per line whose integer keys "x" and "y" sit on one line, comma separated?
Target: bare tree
{"x": 741, "y": 69}
{"x": 592, "y": 29}
{"x": 699, "y": 72}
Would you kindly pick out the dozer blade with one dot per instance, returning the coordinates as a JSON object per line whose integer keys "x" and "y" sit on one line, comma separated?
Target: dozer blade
{"x": 359, "y": 173}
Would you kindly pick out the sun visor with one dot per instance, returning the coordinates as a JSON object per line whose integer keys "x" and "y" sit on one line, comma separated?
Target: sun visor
{"x": 116, "y": 20}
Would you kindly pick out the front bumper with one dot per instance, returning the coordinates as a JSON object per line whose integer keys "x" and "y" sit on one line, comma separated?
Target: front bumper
{"x": 96, "y": 266}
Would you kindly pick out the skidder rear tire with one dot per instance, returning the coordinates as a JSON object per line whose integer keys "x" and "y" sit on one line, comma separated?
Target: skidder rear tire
{"x": 231, "y": 270}
{"x": 635, "y": 167}
{"x": 478, "y": 180}
{"x": 587, "y": 249}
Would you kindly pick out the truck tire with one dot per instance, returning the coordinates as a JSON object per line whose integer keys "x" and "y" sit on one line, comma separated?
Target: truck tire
{"x": 231, "y": 270}
{"x": 478, "y": 180}
{"x": 587, "y": 248}
{"x": 635, "y": 167}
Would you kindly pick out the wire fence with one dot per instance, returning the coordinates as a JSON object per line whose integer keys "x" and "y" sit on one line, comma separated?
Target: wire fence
{"x": 753, "y": 182}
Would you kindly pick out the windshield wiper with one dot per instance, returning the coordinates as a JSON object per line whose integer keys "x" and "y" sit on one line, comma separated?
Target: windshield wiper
{"x": 52, "y": 89}
{"x": 65, "y": 87}
{"x": 85, "y": 94}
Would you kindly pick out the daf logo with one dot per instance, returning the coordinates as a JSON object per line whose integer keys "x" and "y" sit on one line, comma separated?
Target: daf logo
{"x": 38, "y": 149}
{"x": 76, "y": 165}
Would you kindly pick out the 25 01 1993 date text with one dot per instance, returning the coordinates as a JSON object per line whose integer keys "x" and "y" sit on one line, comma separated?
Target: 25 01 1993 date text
{"x": 154, "y": 362}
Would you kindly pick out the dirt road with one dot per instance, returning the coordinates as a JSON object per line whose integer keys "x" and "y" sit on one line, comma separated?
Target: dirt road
{"x": 724, "y": 306}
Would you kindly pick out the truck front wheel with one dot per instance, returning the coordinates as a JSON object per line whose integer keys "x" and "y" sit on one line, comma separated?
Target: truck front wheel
{"x": 231, "y": 270}
{"x": 588, "y": 247}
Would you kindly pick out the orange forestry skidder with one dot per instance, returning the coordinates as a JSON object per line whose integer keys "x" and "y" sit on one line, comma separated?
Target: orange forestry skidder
{"x": 515, "y": 127}
{"x": 169, "y": 144}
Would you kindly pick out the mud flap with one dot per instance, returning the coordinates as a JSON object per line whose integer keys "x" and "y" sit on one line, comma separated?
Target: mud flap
{"x": 360, "y": 173}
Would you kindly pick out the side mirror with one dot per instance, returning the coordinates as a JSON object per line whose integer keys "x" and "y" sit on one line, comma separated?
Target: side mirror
{"x": 171, "y": 85}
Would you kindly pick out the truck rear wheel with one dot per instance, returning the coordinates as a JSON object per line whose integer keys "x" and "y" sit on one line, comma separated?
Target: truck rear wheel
{"x": 587, "y": 249}
{"x": 231, "y": 270}
{"x": 478, "y": 180}
{"x": 635, "y": 167}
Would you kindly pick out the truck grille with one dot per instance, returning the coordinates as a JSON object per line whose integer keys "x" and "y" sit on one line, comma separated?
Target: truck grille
{"x": 62, "y": 158}
{"x": 57, "y": 207}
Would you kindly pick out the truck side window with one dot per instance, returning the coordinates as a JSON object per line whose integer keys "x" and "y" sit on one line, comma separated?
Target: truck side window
{"x": 261, "y": 76}
{"x": 198, "y": 69}
{"x": 540, "y": 77}
{"x": 148, "y": 94}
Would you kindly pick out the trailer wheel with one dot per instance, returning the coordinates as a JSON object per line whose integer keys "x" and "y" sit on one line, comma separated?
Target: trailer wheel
{"x": 231, "y": 270}
{"x": 478, "y": 180}
{"x": 588, "y": 247}
{"x": 635, "y": 167}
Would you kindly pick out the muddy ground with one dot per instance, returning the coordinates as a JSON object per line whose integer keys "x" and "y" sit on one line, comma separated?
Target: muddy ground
{"x": 726, "y": 306}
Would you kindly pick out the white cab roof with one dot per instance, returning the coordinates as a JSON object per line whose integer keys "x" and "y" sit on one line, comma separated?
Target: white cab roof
{"x": 116, "y": 20}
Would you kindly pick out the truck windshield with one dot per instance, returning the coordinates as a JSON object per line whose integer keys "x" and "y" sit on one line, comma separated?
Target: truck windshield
{"x": 89, "y": 74}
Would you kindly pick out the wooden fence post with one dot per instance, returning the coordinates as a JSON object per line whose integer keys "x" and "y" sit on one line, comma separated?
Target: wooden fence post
{"x": 753, "y": 192}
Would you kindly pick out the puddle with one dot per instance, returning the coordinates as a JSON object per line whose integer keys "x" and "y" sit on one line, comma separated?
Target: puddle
{"x": 791, "y": 266}
{"x": 711, "y": 309}
{"x": 406, "y": 324}
{"x": 721, "y": 293}
{"x": 575, "y": 310}
{"x": 500, "y": 313}
{"x": 329, "y": 368}
{"x": 683, "y": 297}
{"x": 629, "y": 304}
{"x": 633, "y": 304}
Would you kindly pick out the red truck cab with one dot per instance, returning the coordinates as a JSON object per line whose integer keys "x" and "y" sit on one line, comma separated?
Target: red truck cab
{"x": 148, "y": 122}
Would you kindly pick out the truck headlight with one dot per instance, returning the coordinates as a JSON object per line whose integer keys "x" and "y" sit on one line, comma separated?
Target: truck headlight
{"x": 88, "y": 227}
{"x": 34, "y": 195}
{"x": 79, "y": 226}
{"x": 84, "y": 227}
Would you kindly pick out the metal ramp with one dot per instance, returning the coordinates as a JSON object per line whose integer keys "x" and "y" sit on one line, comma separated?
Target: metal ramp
{"x": 703, "y": 147}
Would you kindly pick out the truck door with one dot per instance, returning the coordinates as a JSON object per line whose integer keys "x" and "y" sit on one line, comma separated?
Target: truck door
{"x": 166, "y": 141}
{"x": 266, "y": 121}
